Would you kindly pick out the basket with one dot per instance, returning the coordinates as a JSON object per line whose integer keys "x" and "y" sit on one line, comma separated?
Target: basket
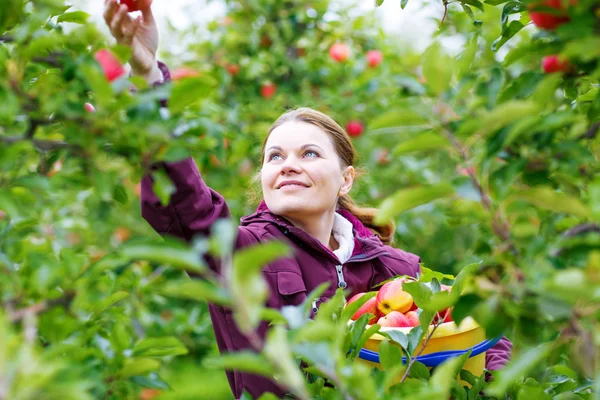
{"x": 448, "y": 340}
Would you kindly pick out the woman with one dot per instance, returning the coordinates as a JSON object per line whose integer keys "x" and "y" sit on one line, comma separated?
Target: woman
{"x": 307, "y": 172}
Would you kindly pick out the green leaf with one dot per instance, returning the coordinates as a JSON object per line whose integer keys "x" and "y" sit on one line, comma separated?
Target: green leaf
{"x": 189, "y": 91}
{"x": 517, "y": 369}
{"x": 438, "y": 68}
{"x": 403, "y": 3}
{"x": 512, "y": 7}
{"x": 407, "y": 199}
{"x": 162, "y": 186}
{"x": 357, "y": 331}
{"x": 389, "y": 354}
{"x": 252, "y": 259}
{"x": 352, "y": 308}
{"x": 415, "y": 336}
{"x": 373, "y": 329}
{"x": 506, "y": 114}
{"x": 419, "y": 371}
{"x": 110, "y": 300}
{"x": 397, "y": 337}
{"x": 78, "y": 17}
{"x": 511, "y": 30}
{"x": 248, "y": 287}
{"x": 197, "y": 289}
{"x": 243, "y": 361}
{"x": 465, "y": 306}
{"x": 445, "y": 374}
{"x": 420, "y": 292}
{"x": 138, "y": 366}
{"x": 398, "y": 118}
{"x": 549, "y": 199}
{"x": 318, "y": 354}
{"x": 159, "y": 347}
{"x": 475, "y": 3}
{"x": 169, "y": 252}
{"x": 422, "y": 142}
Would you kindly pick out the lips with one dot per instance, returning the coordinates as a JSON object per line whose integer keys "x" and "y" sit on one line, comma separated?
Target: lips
{"x": 288, "y": 183}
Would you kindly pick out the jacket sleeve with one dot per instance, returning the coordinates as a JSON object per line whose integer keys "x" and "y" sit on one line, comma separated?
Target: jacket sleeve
{"x": 499, "y": 355}
{"x": 193, "y": 208}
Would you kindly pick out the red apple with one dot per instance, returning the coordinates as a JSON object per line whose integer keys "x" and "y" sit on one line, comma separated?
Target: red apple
{"x": 545, "y": 19}
{"x": 395, "y": 319}
{"x": 268, "y": 90}
{"x": 233, "y": 69}
{"x": 391, "y": 297}
{"x": 374, "y": 58}
{"x": 355, "y": 128}
{"x": 110, "y": 64}
{"x": 413, "y": 318}
{"x": 89, "y": 108}
{"x": 553, "y": 63}
{"x": 370, "y": 306}
{"x": 184, "y": 72}
{"x": 339, "y": 52}
{"x": 136, "y": 5}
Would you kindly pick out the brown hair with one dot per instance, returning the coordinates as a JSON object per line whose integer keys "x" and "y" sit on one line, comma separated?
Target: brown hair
{"x": 345, "y": 150}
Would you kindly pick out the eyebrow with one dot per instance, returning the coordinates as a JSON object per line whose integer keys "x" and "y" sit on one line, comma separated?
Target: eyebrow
{"x": 301, "y": 147}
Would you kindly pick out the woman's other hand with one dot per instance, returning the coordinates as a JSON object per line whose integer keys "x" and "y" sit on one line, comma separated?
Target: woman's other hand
{"x": 141, "y": 34}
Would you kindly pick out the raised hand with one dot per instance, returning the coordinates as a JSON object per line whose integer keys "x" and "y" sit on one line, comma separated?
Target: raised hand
{"x": 141, "y": 34}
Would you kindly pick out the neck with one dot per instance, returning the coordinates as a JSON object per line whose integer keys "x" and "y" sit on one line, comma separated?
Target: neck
{"x": 319, "y": 227}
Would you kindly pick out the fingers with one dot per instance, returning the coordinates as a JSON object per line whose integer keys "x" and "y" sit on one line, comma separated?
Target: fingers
{"x": 110, "y": 7}
{"x": 147, "y": 14}
{"x": 129, "y": 30}
{"x": 120, "y": 20}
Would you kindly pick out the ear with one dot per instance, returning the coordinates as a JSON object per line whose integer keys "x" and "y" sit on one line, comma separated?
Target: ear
{"x": 347, "y": 180}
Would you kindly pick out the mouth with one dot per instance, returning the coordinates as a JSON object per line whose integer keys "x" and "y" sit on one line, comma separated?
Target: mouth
{"x": 291, "y": 185}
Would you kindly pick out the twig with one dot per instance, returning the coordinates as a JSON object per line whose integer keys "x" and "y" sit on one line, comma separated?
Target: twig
{"x": 445, "y": 2}
{"x": 6, "y": 38}
{"x": 40, "y": 307}
{"x": 414, "y": 358}
{"x": 500, "y": 226}
{"x": 44, "y": 145}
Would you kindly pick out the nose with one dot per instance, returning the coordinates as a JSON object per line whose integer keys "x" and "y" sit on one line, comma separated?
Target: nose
{"x": 290, "y": 165}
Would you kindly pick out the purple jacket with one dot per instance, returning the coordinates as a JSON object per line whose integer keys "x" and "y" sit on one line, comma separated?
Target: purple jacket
{"x": 194, "y": 207}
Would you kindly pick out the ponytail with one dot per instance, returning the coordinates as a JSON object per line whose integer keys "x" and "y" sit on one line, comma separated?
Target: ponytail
{"x": 366, "y": 215}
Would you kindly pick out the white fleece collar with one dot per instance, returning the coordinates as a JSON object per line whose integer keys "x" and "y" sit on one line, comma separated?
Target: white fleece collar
{"x": 343, "y": 233}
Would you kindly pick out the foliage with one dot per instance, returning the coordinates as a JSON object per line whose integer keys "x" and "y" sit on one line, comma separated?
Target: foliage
{"x": 479, "y": 153}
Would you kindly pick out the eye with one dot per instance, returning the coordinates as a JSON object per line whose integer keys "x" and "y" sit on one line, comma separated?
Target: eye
{"x": 314, "y": 153}
{"x": 273, "y": 155}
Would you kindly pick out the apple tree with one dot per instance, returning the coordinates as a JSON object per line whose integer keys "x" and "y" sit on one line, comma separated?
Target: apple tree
{"x": 485, "y": 158}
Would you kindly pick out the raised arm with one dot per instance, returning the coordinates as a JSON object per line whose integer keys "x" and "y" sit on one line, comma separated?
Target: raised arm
{"x": 192, "y": 209}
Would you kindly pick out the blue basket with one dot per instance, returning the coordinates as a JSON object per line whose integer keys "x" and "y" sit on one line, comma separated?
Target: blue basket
{"x": 435, "y": 359}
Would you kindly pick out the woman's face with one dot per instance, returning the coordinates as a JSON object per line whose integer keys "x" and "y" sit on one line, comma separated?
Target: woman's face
{"x": 302, "y": 174}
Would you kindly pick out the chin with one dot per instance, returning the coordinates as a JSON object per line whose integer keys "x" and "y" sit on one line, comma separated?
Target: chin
{"x": 292, "y": 206}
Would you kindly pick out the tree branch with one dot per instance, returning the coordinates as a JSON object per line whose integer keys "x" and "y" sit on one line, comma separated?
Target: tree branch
{"x": 43, "y": 145}
{"x": 38, "y": 308}
{"x": 500, "y": 226}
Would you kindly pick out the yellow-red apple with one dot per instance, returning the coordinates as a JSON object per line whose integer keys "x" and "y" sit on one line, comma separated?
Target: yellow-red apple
{"x": 394, "y": 319}
{"x": 370, "y": 306}
{"x": 391, "y": 297}
{"x": 413, "y": 318}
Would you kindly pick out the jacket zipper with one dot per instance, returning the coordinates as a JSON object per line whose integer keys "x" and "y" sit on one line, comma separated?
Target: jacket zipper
{"x": 339, "y": 269}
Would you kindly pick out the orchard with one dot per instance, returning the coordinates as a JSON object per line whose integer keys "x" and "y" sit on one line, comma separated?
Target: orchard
{"x": 484, "y": 154}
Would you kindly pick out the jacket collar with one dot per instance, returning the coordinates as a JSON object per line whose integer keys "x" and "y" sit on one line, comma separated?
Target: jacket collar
{"x": 366, "y": 243}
